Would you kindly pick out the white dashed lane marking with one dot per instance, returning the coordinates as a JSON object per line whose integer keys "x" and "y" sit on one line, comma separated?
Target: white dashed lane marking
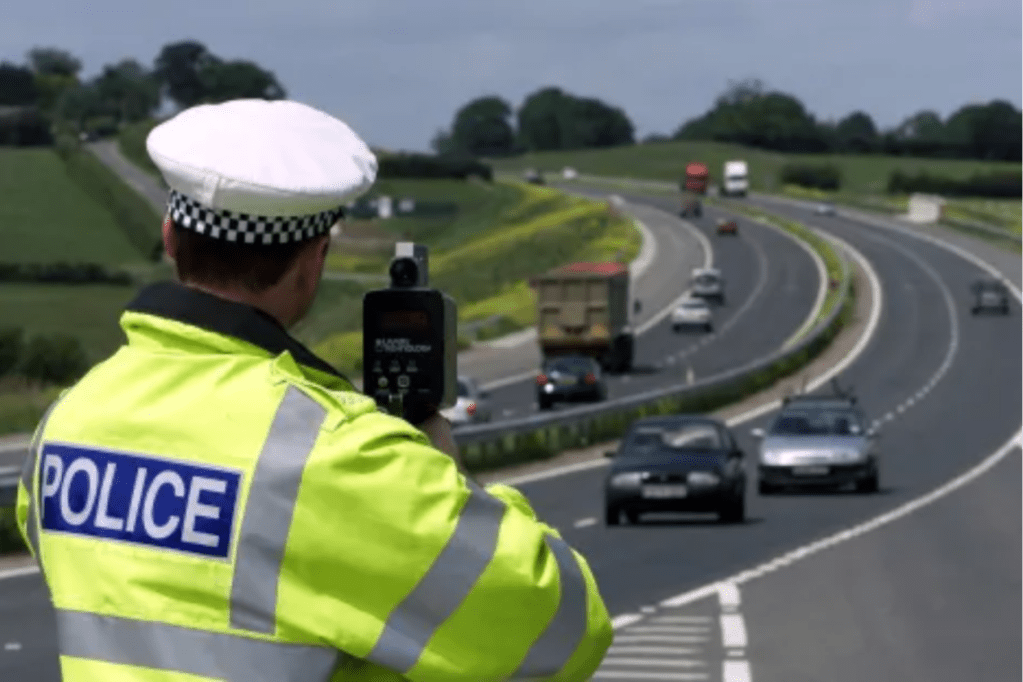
{"x": 582, "y": 523}
{"x": 12, "y": 646}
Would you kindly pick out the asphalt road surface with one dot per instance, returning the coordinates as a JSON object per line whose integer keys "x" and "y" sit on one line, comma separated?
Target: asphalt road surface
{"x": 945, "y": 387}
{"x": 771, "y": 288}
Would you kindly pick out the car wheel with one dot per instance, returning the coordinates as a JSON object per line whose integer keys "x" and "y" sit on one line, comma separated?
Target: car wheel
{"x": 676, "y": 327}
{"x": 708, "y": 327}
{"x": 545, "y": 404}
{"x": 868, "y": 485}
{"x": 631, "y": 516}
{"x": 734, "y": 511}
{"x": 766, "y": 488}
{"x": 973, "y": 311}
{"x": 611, "y": 516}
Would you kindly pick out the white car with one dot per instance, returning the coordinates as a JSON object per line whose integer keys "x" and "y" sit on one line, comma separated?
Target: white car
{"x": 472, "y": 405}
{"x": 692, "y": 312}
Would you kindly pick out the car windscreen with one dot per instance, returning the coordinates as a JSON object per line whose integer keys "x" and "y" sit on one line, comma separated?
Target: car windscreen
{"x": 569, "y": 365}
{"x": 694, "y": 305}
{"x": 706, "y": 280}
{"x": 646, "y": 440}
{"x": 817, "y": 422}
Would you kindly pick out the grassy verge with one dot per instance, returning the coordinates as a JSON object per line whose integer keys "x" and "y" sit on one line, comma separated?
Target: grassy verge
{"x": 545, "y": 442}
{"x": 131, "y": 140}
{"x": 484, "y": 263}
{"x": 866, "y": 174}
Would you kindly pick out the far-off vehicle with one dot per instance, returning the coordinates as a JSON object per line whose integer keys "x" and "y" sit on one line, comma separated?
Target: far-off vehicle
{"x": 583, "y": 309}
{"x": 727, "y": 227}
{"x": 990, "y": 295}
{"x": 533, "y": 176}
{"x": 694, "y": 186}
{"x": 708, "y": 283}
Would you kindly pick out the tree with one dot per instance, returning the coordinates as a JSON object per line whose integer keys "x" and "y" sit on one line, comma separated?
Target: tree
{"x": 223, "y": 81}
{"x": 749, "y": 114}
{"x": 922, "y": 134}
{"x": 127, "y": 91}
{"x": 552, "y": 119}
{"x": 986, "y": 131}
{"x": 79, "y": 103}
{"x": 177, "y": 69}
{"x": 856, "y": 133}
{"x": 483, "y": 128}
{"x": 442, "y": 143}
{"x": 54, "y": 62}
{"x": 538, "y": 119}
{"x": 17, "y": 85}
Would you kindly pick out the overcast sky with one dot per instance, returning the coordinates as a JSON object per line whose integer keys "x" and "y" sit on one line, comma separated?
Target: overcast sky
{"x": 397, "y": 70}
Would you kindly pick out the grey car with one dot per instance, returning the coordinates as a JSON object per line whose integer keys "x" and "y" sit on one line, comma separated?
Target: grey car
{"x": 817, "y": 442}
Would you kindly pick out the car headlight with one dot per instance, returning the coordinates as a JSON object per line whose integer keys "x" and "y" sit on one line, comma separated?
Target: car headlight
{"x": 703, "y": 478}
{"x": 626, "y": 480}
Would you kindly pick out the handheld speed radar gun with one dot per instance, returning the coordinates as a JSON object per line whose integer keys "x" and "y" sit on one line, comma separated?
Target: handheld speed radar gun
{"x": 409, "y": 342}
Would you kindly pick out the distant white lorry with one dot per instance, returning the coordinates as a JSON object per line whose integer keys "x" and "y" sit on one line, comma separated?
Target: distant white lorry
{"x": 735, "y": 182}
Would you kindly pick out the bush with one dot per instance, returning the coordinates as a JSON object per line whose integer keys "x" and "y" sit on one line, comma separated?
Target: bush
{"x": 426, "y": 167}
{"x": 12, "y": 341}
{"x": 818, "y": 177}
{"x": 61, "y": 273}
{"x": 56, "y": 359}
{"x": 996, "y": 185}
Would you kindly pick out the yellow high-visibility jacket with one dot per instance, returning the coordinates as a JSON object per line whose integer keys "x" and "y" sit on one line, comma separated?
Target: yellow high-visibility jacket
{"x": 214, "y": 502}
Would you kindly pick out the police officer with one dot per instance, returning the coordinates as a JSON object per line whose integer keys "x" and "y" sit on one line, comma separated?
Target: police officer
{"x": 216, "y": 502}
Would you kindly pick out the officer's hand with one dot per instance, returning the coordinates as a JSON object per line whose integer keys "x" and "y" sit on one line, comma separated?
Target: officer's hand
{"x": 438, "y": 430}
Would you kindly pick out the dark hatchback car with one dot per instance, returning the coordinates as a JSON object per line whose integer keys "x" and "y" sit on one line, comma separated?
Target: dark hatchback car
{"x": 569, "y": 378}
{"x": 679, "y": 463}
{"x": 990, "y": 295}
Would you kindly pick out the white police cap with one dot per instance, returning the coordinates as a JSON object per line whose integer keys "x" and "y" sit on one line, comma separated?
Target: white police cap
{"x": 260, "y": 172}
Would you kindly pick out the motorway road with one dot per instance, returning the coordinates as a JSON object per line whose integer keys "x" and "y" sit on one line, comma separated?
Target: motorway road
{"x": 945, "y": 387}
{"x": 771, "y": 287}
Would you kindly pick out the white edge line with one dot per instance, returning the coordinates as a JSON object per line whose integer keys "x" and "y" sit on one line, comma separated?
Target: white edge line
{"x": 822, "y": 291}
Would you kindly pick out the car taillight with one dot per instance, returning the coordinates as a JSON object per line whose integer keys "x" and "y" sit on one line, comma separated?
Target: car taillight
{"x": 590, "y": 378}
{"x": 541, "y": 379}
{"x": 470, "y": 409}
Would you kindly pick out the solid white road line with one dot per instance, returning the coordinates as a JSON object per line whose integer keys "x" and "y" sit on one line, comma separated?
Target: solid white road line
{"x": 656, "y": 662}
{"x": 641, "y": 675}
{"x": 736, "y": 671}
{"x": 659, "y": 650}
{"x": 733, "y": 631}
{"x": 625, "y": 619}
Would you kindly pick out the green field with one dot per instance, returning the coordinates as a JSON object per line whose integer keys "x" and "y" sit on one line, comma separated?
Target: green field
{"x": 861, "y": 174}
{"x": 45, "y": 217}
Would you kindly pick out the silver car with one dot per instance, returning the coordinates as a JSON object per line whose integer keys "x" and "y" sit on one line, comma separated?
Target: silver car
{"x": 707, "y": 283}
{"x": 815, "y": 442}
{"x": 472, "y": 405}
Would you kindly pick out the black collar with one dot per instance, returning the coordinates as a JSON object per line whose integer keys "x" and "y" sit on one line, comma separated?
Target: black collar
{"x": 193, "y": 307}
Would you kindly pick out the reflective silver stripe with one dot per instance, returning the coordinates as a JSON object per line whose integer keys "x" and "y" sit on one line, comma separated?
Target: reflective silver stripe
{"x": 269, "y": 510}
{"x": 196, "y": 652}
{"x": 559, "y": 640}
{"x": 27, "y": 470}
{"x": 444, "y": 586}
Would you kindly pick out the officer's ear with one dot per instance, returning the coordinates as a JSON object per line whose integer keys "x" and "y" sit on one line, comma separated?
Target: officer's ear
{"x": 170, "y": 241}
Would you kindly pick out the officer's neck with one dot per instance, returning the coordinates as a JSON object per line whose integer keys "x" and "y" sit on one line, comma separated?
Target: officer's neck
{"x": 279, "y": 302}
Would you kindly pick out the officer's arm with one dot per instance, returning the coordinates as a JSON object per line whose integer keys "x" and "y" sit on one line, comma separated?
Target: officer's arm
{"x": 437, "y": 579}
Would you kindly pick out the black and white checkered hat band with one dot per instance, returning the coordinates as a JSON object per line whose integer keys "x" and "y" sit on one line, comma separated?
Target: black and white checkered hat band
{"x": 248, "y": 229}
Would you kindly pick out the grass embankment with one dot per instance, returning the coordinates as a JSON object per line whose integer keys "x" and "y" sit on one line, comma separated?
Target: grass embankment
{"x": 861, "y": 174}
{"x": 131, "y": 140}
{"x": 484, "y": 256}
